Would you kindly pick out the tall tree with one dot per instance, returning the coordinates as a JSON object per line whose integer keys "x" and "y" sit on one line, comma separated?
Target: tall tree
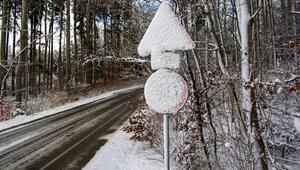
{"x": 248, "y": 76}
{"x": 40, "y": 46}
{"x": 75, "y": 64}
{"x": 4, "y": 28}
{"x": 68, "y": 50}
{"x": 89, "y": 23}
{"x": 23, "y": 51}
{"x": 59, "y": 64}
{"x": 14, "y": 48}
{"x": 33, "y": 52}
{"x": 46, "y": 46}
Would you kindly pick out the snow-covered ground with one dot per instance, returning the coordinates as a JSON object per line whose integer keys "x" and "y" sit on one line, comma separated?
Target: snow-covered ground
{"x": 119, "y": 153}
{"x": 27, "y": 118}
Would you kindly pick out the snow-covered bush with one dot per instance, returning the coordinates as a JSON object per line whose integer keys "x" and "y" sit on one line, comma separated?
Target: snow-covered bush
{"x": 146, "y": 126}
{"x": 187, "y": 146}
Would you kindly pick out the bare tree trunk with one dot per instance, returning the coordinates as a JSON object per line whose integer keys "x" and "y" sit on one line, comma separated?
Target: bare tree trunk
{"x": 51, "y": 49}
{"x": 94, "y": 44}
{"x": 248, "y": 93}
{"x": 68, "y": 66}
{"x": 7, "y": 42}
{"x": 46, "y": 49}
{"x": 245, "y": 63}
{"x": 4, "y": 25}
{"x": 75, "y": 64}
{"x": 105, "y": 34}
{"x": 32, "y": 76}
{"x": 23, "y": 47}
{"x": 14, "y": 50}
{"x": 89, "y": 64}
{"x": 60, "y": 75}
{"x": 40, "y": 49}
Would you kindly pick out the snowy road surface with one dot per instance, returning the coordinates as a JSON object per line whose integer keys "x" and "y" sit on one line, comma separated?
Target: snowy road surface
{"x": 67, "y": 140}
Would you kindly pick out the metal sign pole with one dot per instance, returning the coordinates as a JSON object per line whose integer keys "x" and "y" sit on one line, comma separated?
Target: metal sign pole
{"x": 166, "y": 141}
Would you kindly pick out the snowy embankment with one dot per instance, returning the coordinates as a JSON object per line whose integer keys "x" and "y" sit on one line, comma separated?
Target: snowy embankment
{"x": 120, "y": 153}
{"x": 27, "y": 118}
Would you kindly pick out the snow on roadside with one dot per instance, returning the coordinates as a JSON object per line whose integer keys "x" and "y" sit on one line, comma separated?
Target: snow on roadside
{"x": 120, "y": 153}
{"x": 27, "y": 118}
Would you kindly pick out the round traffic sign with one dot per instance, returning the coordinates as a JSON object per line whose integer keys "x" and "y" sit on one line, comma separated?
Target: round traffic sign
{"x": 166, "y": 91}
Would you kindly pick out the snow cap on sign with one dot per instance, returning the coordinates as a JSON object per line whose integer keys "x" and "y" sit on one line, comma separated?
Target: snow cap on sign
{"x": 165, "y": 32}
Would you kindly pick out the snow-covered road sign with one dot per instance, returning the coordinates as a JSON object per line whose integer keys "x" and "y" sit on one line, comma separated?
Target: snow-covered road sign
{"x": 166, "y": 91}
{"x": 165, "y": 33}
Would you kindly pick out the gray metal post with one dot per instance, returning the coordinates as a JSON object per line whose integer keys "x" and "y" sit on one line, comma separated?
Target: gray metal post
{"x": 166, "y": 141}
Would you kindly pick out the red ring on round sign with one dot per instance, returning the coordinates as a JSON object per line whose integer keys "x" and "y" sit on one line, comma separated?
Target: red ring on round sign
{"x": 166, "y": 91}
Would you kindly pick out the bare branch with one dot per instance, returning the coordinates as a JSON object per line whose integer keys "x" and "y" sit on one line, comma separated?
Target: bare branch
{"x": 14, "y": 59}
{"x": 296, "y": 12}
{"x": 256, "y": 12}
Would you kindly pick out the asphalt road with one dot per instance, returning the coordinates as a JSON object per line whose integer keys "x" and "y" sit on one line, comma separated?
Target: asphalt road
{"x": 67, "y": 140}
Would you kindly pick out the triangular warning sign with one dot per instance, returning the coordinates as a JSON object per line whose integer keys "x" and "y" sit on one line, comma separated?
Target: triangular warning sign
{"x": 165, "y": 33}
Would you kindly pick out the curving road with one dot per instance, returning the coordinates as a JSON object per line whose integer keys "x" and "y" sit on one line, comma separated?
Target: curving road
{"x": 67, "y": 140}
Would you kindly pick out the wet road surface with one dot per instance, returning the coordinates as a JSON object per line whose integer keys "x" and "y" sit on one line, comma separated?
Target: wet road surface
{"x": 67, "y": 140}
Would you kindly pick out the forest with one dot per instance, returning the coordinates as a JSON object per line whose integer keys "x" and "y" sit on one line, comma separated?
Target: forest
{"x": 62, "y": 45}
{"x": 243, "y": 108}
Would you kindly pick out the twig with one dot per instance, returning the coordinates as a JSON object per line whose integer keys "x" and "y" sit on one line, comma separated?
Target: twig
{"x": 256, "y": 12}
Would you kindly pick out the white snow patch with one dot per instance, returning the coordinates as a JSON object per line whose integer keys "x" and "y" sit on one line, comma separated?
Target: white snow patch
{"x": 277, "y": 81}
{"x": 279, "y": 90}
{"x": 296, "y": 116}
{"x": 294, "y": 76}
{"x": 227, "y": 144}
{"x": 165, "y": 60}
{"x": 131, "y": 59}
{"x": 119, "y": 153}
{"x": 24, "y": 118}
{"x": 297, "y": 124}
{"x": 165, "y": 32}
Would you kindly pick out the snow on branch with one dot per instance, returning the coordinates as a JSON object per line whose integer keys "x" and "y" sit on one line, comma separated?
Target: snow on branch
{"x": 4, "y": 67}
{"x": 296, "y": 12}
{"x": 272, "y": 87}
{"x": 256, "y": 12}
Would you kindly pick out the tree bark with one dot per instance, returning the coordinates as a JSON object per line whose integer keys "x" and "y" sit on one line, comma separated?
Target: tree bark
{"x": 68, "y": 66}
{"x": 4, "y": 24}
{"x": 89, "y": 64}
{"x": 46, "y": 48}
{"x": 23, "y": 55}
{"x": 75, "y": 64}
{"x": 248, "y": 92}
{"x": 14, "y": 50}
{"x": 51, "y": 49}
{"x": 59, "y": 65}
{"x": 40, "y": 49}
